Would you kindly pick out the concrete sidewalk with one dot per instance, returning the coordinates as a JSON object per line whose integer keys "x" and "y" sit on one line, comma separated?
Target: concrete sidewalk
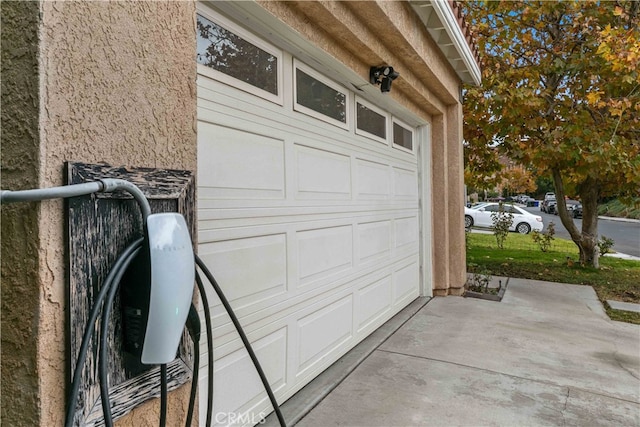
{"x": 546, "y": 355}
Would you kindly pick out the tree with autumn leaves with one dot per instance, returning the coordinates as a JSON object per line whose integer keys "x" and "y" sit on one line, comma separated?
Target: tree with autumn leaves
{"x": 560, "y": 94}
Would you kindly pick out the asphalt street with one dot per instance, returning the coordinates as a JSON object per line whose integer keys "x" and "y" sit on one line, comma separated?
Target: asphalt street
{"x": 626, "y": 235}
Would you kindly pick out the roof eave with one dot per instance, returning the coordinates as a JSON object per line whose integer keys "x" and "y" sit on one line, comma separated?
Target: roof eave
{"x": 444, "y": 26}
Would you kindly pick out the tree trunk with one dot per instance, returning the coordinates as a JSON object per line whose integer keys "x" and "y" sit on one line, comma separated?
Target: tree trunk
{"x": 589, "y": 250}
{"x": 587, "y": 239}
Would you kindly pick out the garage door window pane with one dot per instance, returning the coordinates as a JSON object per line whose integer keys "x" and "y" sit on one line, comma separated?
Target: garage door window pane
{"x": 402, "y": 137}
{"x": 319, "y": 97}
{"x": 371, "y": 122}
{"x": 234, "y": 56}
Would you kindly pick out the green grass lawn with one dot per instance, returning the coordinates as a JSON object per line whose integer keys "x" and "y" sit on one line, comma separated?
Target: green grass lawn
{"x": 617, "y": 279}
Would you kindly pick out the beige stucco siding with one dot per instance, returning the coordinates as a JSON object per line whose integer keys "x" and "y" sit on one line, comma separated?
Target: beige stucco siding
{"x": 116, "y": 85}
{"x": 20, "y": 148}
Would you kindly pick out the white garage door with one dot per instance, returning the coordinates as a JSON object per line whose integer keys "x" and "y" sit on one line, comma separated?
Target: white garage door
{"x": 307, "y": 215}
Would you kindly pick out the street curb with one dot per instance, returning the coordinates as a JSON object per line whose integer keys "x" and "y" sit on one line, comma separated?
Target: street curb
{"x": 624, "y": 306}
{"x": 621, "y": 256}
{"x": 613, "y": 218}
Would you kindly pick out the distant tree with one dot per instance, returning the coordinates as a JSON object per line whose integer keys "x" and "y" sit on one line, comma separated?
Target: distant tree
{"x": 482, "y": 167}
{"x": 518, "y": 180}
{"x": 560, "y": 94}
{"x": 544, "y": 184}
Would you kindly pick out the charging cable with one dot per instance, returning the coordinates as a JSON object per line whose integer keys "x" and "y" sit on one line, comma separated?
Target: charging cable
{"x": 207, "y": 320}
{"x": 163, "y": 395}
{"x": 124, "y": 258}
{"x": 103, "y": 366}
{"x": 193, "y": 326}
{"x": 244, "y": 339}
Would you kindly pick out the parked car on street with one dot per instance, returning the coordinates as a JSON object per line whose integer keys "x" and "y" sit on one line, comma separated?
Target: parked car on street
{"x": 525, "y": 200}
{"x": 478, "y": 205}
{"x": 523, "y": 221}
{"x": 577, "y": 211}
{"x": 571, "y": 206}
{"x": 549, "y": 205}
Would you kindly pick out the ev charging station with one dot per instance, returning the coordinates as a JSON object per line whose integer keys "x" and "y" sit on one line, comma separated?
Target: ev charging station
{"x": 153, "y": 280}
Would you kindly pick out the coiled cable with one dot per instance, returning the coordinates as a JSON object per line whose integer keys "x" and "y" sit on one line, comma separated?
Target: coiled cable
{"x": 207, "y": 320}
{"x": 103, "y": 361}
{"x": 193, "y": 326}
{"x": 244, "y": 339}
{"x": 88, "y": 332}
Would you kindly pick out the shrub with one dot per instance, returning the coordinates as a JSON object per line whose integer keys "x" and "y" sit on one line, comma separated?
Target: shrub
{"x": 479, "y": 278}
{"x": 501, "y": 222}
{"x": 545, "y": 239}
{"x": 605, "y": 244}
{"x": 467, "y": 246}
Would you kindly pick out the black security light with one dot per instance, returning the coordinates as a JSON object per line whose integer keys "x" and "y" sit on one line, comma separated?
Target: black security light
{"x": 383, "y": 76}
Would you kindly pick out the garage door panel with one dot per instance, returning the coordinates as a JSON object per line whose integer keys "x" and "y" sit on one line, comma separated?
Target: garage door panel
{"x": 374, "y": 241}
{"x": 237, "y": 387}
{"x": 299, "y": 305}
{"x": 374, "y": 180}
{"x": 322, "y": 174}
{"x": 374, "y": 300}
{"x": 404, "y": 279}
{"x": 405, "y": 183}
{"x": 323, "y": 252}
{"x": 219, "y": 98}
{"x": 407, "y": 231}
{"x": 210, "y": 212}
{"x": 291, "y": 264}
{"x": 323, "y": 331}
{"x": 238, "y": 165}
{"x": 267, "y": 256}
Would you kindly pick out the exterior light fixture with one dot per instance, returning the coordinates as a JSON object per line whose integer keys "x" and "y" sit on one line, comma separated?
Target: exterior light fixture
{"x": 383, "y": 76}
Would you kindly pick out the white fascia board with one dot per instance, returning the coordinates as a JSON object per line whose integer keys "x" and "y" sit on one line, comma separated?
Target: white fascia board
{"x": 450, "y": 23}
{"x": 445, "y": 13}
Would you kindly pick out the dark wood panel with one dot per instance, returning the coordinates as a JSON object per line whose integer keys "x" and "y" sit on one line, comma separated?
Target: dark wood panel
{"x": 99, "y": 228}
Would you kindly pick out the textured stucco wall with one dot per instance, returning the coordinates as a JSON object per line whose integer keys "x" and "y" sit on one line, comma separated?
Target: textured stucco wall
{"x": 116, "y": 85}
{"x": 20, "y": 158}
{"x": 455, "y": 180}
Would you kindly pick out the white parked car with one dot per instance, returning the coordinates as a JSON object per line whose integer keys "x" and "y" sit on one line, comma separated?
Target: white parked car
{"x": 523, "y": 222}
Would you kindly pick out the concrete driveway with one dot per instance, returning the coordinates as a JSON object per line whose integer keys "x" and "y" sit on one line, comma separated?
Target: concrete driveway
{"x": 546, "y": 355}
